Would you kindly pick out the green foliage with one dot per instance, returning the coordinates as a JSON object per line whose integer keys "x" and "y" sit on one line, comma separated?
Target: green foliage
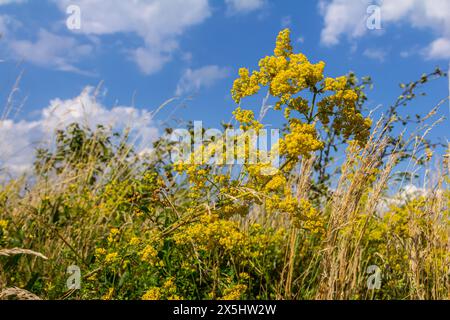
{"x": 142, "y": 227}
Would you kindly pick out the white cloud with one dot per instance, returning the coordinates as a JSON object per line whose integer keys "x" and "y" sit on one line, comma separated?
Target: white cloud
{"x": 19, "y": 139}
{"x": 47, "y": 49}
{"x": 159, "y": 23}
{"x": 402, "y": 197}
{"x": 193, "y": 80}
{"x": 244, "y": 6}
{"x": 7, "y": 26}
{"x": 348, "y": 18}
{"x": 50, "y": 50}
{"x": 5, "y": 2}
{"x": 439, "y": 49}
{"x": 375, "y": 54}
{"x": 342, "y": 17}
{"x": 149, "y": 61}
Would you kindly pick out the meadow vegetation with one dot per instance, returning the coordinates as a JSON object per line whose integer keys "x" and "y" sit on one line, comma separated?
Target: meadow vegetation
{"x": 151, "y": 228}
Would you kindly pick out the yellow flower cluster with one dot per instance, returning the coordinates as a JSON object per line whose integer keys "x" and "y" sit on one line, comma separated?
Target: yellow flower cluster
{"x": 335, "y": 84}
{"x": 298, "y": 104}
{"x": 167, "y": 291}
{"x": 109, "y": 295}
{"x": 247, "y": 119}
{"x": 348, "y": 120}
{"x": 244, "y": 116}
{"x": 412, "y": 222}
{"x": 283, "y": 47}
{"x": 148, "y": 254}
{"x": 229, "y": 210}
{"x": 235, "y": 292}
{"x": 169, "y": 287}
{"x": 152, "y": 294}
{"x": 113, "y": 235}
{"x": 299, "y": 75}
{"x": 301, "y": 140}
{"x": 245, "y": 85}
{"x": 283, "y": 203}
{"x": 134, "y": 241}
{"x": 196, "y": 174}
{"x": 99, "y": 252}
{"x": 261, "y": 170}
{"x": 244, "y": 276}
{"x": 286, "y": 74}
{"x": 3, "y": 224}
{"x": 310, "y": 217}
{"x": 276, "y": 182}
{"x": 111, "y": 257}
{"x": 303, "y": 214}
{"x": 210, "y": 233}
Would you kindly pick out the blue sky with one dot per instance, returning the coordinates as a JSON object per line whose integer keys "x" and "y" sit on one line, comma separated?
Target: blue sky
{"x": 146, "y": 52}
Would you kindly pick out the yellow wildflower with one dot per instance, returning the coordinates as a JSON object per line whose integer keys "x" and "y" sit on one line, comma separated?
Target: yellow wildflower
{"x": 152, "y": 294}
{"x": 111, "y": 257}
{"x": 148, "y": 253}
{"x": 135, "y": 241}
{"x": 113, "y": 235}
{"x": 3, "y": 224}
{"x": 109, "y": 294}
{"x": 276, "y": 183}
{"x": 100, "y": 252}
{"x": 235, "y": 292}
{"x": 301, "y": 141}
{"x": 283, "y": 45}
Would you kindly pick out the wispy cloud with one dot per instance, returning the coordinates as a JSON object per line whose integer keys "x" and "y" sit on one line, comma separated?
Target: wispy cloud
{"x": 193, "y": 80}
{"x": 51, "y": 50}
{"x": 158, "y": 23}
{"x": 348, "y": 18}
{"x": 376, "y": 54}
{"x": 244, "y": 6}
{"x": 439, "y": 49}
{"x": 5, "y": 2}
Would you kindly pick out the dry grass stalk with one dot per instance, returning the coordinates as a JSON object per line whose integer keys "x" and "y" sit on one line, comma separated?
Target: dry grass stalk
{"x": 15, "y": 251}
{"x": 18, "y": 294}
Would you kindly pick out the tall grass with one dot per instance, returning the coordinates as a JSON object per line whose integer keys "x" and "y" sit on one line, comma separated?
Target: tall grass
{"x": 139, "y": 227}
{"x": 70, "y": 207}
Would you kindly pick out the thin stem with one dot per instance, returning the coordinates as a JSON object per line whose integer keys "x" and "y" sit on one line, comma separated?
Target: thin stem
{"x": 313, "y": 103}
